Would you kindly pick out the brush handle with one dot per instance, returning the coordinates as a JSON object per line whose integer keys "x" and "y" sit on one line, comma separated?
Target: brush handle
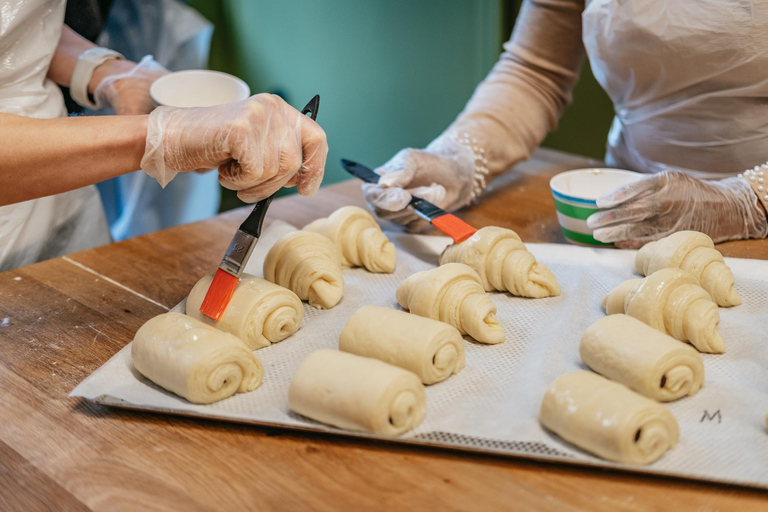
{"x": 252, "y": 225}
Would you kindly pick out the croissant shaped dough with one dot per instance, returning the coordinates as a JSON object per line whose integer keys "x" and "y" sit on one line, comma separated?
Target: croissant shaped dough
{"x": 359, "y": 239}
{"x": 608, "y": 419}
{"x": 626, "y": 350}
{"x": 696, "y": 253}
{"x": 432, "y": 350}
{"x": 357, "y": 393}
{"x": 259, "y": 313}
{"x": 308, "y": 264}
{"x": 671, "y": 301}
{"x": 452, "y": 293}
{"x": 193, "y": 359}
{"x": 503, "y": 263}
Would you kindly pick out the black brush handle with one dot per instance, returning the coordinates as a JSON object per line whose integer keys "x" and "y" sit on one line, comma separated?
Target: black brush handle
{"x": 252, "y": 224}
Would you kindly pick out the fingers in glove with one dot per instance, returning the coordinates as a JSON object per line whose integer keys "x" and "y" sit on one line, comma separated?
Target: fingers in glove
{"x": 633, "y": 212}
{"x": 263, "y": 189}
{"x": 646, "y": 230}
{"x": 314, "y": 149}
{"x": 400, "y": 170}
{"x": 628, "y": 192}
{"x": 386, "y": 199}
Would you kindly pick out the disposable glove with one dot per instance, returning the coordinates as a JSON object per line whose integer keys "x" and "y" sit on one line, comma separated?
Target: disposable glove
{"x": 443, "y": 174}
{"x": 671, "y": 201}
{"x": 128, "y": 93}
{"x": 259, "y": 145}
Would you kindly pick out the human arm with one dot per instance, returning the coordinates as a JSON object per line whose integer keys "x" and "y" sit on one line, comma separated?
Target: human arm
{"x": 508, "y": 116}
{"x": 259, "y": 145}
{"x": 120, "y": 84}
{"x": 42, "y": 157}
{"x": 671, "y": 201}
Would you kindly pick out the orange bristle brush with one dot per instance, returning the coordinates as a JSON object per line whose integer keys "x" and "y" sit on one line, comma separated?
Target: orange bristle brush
{"x": 240, "y": 248}
{"x": 446, "y": 222}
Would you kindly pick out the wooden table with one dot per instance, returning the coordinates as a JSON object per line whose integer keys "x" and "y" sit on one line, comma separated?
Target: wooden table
{"x": 62, "y": 319}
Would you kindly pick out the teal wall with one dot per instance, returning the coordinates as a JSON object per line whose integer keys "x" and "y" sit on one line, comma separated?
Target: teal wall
{"x": 391, "y": 73}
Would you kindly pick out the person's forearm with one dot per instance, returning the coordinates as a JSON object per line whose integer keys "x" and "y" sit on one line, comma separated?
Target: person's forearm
{"x": 522, "y": 98}
{"x": 42, "y": 157}
{"x": 71, "y": 46}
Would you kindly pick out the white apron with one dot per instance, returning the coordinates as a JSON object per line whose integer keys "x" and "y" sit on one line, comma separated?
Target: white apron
{"x": 51, "y": 226}
{"x": 688, "y": 80}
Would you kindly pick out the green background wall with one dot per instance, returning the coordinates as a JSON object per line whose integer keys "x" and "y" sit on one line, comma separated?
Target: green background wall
{"x": 391, "y": 73}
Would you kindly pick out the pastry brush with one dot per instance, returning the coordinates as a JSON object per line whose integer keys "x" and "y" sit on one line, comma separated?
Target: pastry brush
{"x": 240, "y": 248}
{"x": 446, "y": 222}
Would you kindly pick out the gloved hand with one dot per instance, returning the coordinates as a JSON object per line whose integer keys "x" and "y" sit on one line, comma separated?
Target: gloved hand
{"x": 259, "y": 145}
{"x": 443, "y": 174}
{"x": 671, "y": 201}
{"x": 127, "y": 93}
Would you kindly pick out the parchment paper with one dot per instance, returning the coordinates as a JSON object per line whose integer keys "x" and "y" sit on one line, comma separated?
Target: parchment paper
{"x": 492, "y": 405}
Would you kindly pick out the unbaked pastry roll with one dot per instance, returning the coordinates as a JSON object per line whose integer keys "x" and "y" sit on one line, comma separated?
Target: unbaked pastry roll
{"x": 696, "y": 253}
{"x": 259, "y": 313}
{"x": 193, "y": 359}
{"x": 653, "y": 364}
{"x": 608, "y": 419}
{"x": 357, "y": 393}
{"x": 359, "y": 239}
{"x": 452, "y": 293}
{"x": 671, "y": 301}
{"x": 432, "y": 350}
{"x": 307, "y": 263}
{"x": 503, "y": 263}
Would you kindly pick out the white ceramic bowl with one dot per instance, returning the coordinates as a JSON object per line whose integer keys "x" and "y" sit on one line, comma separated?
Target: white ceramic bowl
{"x": 575, "y": 193}
{"x": 198, "y": 88}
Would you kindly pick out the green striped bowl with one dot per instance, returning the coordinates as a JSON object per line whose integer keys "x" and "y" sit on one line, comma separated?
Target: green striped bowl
{"x": 575, "y": 193}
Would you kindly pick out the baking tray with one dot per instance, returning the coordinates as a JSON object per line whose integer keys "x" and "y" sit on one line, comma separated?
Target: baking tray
{"x": 492, "y": 405}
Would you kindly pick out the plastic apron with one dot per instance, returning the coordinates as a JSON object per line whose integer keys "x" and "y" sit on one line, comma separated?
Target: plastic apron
{"x": 56, "y": 225}
{"x": 179, "y": 38}
{"x": 688, "y": 80}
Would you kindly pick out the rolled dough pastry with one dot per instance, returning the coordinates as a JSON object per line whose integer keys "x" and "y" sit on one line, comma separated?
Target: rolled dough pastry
{"x": 452, "y": 293}
{"x": 696, "y": 253}
{"x": 626, "y": 350}
{"x": 259, "y": 313}
{"x": 432, "y": 350}
{"x": 671, "y": 301}
{"x": 503, "y": 263}
{"x": 357, "y": 393}
{"x": 608, "y": 419}
{"x": 193, "y": 359}
{"x": 307, "y": 263}
{"x": 359, "y": 239}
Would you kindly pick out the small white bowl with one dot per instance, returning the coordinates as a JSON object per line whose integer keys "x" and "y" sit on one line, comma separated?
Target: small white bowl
{"x": 575, "y": 193}
{"x": 198, "y": 88}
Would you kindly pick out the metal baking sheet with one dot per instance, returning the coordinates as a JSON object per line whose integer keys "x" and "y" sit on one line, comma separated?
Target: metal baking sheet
{"x": 492, "y": 405}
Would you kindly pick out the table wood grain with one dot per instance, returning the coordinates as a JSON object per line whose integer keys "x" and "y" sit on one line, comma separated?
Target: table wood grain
{"x": 62, "y": 319}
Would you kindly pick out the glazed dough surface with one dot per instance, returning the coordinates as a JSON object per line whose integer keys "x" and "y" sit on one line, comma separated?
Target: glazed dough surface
{"x": 608, "y": 419}
{"x": 193, "y": 359}
{"x": 260, "y": 313}
{"x": 308, "y": 264}
{"x": 452, "y": 293}
{"x": 357, "y": 393}
{"x": 630, "y": 352}
{"x": 358, "y": 238}
{"x": 671, "y": 301}
{"x": 696, "y": 253}
{"x": 503, "y": 263}
{"x": 432, "y": 350}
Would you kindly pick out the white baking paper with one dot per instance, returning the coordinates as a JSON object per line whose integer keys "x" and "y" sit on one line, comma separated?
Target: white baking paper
{"x": 492, "y": 405}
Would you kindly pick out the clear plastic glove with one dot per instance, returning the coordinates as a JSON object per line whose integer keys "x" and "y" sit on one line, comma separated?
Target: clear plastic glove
{"x": 671, "y": 201}
{"x": 128, "y": 93}
{"x": 259, "y": 145}
{"x": 443, "y": 174}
